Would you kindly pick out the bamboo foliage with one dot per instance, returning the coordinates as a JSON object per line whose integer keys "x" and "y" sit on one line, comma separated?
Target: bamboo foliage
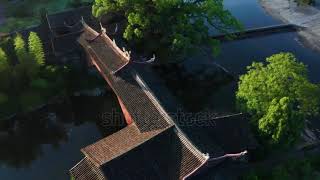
{"x": 36, "y": 48}
{"x": 4, "y": 65}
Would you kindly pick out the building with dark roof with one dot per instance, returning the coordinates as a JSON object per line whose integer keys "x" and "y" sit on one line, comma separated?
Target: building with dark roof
{"x": 151, "y": 146}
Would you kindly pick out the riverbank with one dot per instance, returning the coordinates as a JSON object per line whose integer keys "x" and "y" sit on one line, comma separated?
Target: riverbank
{"x": 305, "y": 16}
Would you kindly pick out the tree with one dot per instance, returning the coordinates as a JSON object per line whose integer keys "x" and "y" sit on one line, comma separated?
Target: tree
{"x": 26, "y": 69}
{"x": 281, "y": 124}
{"x": 4, "y": 71}
{"x": 279, "y": 96}
{"x": 4, "y": 65}
{"x": 175, "y": 27}
{"x": 36, "y": 48}
{"x": 20, "y": 48}
{"x": 7, "y": 45}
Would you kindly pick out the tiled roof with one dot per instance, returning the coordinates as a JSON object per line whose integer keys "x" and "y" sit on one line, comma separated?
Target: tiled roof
{"x": 150, "y": 148}
{"x": 168, "y": 156}
{"x": 146, "y": 112}
{"x": 238, "y": 137}
{"x": 105, "y": 49}
{"x": 86, "y": 170}
{"x": 117, "y": 144}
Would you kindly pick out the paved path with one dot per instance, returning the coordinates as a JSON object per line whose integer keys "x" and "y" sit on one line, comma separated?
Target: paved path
{"x": 305, "y": 16}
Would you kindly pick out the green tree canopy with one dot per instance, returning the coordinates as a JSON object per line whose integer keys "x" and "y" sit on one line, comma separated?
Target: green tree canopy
{"x": 36, "y": 48}
{"x": 282, "y": 122}
{"x": 279, "y": 96}
{"x": 174, "y": 27}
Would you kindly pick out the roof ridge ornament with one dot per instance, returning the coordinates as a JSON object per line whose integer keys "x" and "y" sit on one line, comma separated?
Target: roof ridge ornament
{"x": 103, "y": 29}
{"x": 82, "y": 21}
{"x": 151, "y": 60}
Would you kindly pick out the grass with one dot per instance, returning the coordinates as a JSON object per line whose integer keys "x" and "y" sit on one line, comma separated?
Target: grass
{"x": 23, "y": 14}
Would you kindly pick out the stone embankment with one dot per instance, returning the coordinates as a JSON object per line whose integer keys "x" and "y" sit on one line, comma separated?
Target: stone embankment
{"x": 304, "y": 16}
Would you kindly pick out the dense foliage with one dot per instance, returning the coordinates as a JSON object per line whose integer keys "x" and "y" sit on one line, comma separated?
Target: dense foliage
{"x": 25, "y": 80}
{"x": 174, "y": 27}
{"x": 279, "y": 96}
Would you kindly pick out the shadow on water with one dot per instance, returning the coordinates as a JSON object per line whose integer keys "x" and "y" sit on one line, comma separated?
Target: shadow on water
{"x": 46, "y": 144}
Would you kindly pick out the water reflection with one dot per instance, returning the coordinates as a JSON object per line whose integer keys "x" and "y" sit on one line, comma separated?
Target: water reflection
{"x": 250, "y": 13}
{"x": 244, "y": 52}
{"x": 46, "y": 144}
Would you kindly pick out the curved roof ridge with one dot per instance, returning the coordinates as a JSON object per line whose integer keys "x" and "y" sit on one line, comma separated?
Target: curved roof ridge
{"x": 157, "y": 103}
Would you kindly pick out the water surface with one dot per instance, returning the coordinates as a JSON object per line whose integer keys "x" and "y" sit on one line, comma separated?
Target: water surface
{"x": 46, "y": 149}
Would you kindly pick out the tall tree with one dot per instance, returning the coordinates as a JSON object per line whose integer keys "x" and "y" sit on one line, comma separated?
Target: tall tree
{"x": 4, "y": 65}
{"x": 279, "y": 96}
{"x": 36, "y": 48}
{"x": 20, "y": 48}
{"x": 175, "y": 27}
{"x": 4, "y": 71}
{"x": 27, "y": 68}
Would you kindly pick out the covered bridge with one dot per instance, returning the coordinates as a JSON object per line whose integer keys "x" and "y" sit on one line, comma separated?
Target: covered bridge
{"x": 151, "y": 146}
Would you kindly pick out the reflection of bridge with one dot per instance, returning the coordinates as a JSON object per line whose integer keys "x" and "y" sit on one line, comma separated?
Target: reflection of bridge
{"x": 151, "y": 146}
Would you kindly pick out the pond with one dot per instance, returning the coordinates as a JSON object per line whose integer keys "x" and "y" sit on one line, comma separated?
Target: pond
{"x": 40, "y": 148}
{"x": 235, "y": 56}
{"x": 238, "y": 54}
